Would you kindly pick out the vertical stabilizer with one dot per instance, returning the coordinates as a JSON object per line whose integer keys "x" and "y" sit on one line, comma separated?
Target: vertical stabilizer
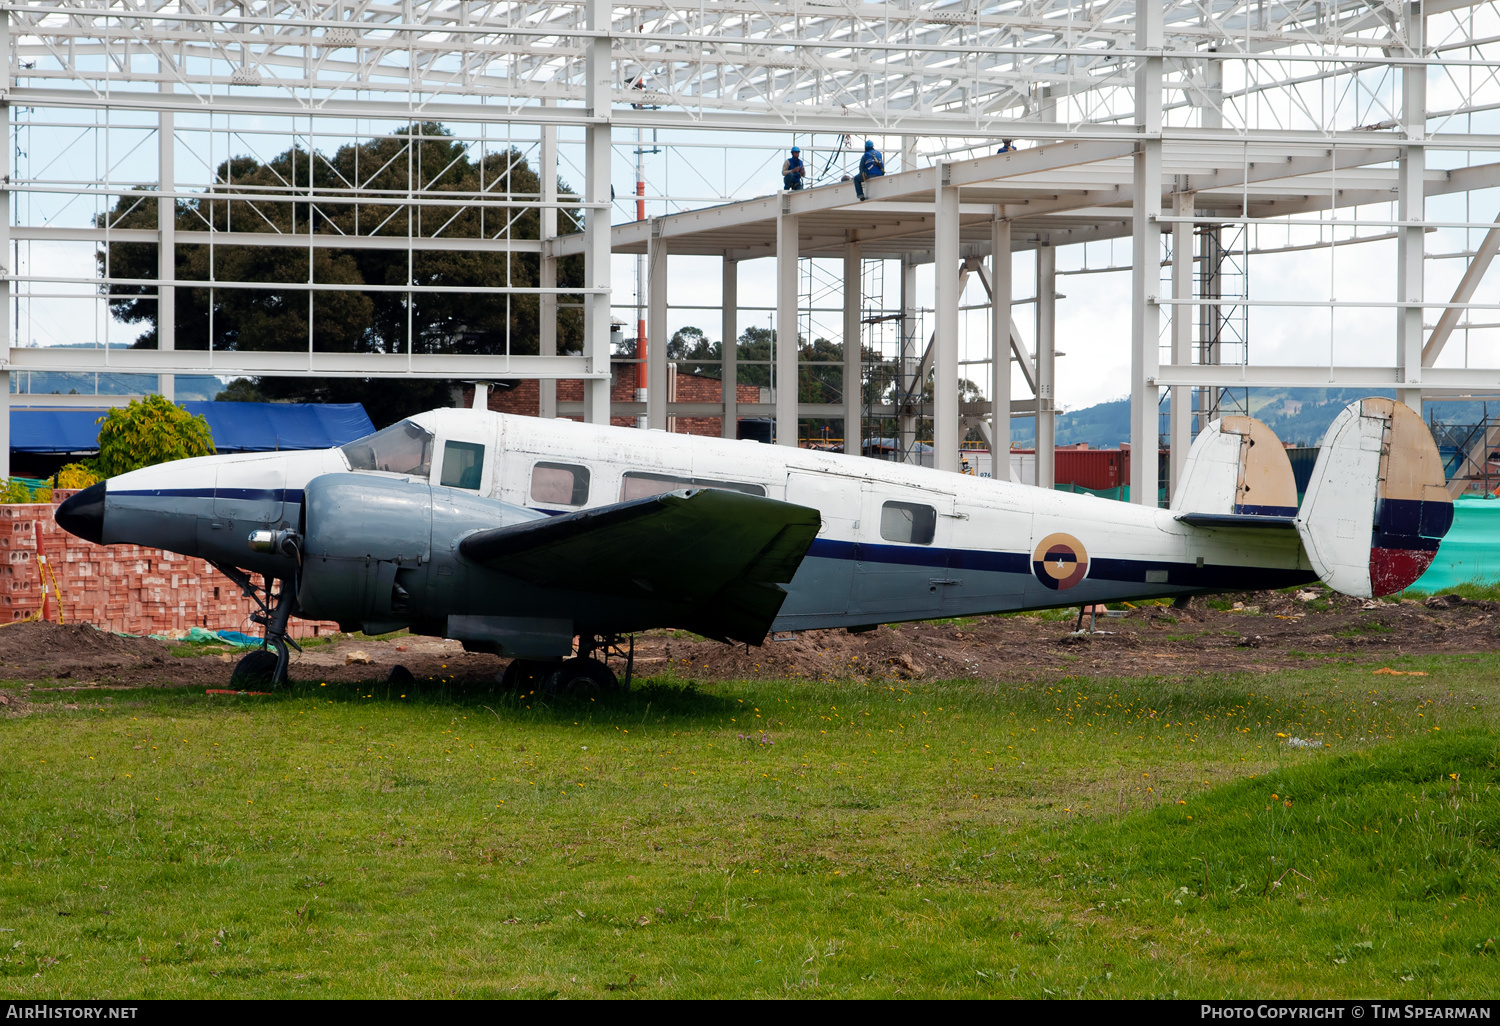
{"x": 1376, "y": 506}
{"x": 1237, "y": 466}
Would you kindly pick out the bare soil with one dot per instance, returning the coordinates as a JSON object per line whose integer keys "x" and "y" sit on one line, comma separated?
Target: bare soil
{"x": 1270, "y": 631}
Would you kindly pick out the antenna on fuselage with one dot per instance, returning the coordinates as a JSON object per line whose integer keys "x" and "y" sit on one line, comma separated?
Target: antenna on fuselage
{"x": 481, "y": 396}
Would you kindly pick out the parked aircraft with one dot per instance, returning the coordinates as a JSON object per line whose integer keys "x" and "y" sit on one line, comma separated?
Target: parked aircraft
{"x": 516, "y": 534}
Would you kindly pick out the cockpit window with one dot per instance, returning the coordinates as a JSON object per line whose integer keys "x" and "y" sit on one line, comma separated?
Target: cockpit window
{"x": 404, "y": 448}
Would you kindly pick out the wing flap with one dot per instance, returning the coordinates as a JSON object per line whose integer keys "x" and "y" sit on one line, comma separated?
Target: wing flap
{"x": 720, "y": 554}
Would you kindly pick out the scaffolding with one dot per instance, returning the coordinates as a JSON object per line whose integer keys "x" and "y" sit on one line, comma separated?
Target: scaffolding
{"x": 1209, "y": 134}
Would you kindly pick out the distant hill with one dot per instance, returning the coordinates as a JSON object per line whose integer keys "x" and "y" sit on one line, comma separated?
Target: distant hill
{"x": 1300, "y": 416}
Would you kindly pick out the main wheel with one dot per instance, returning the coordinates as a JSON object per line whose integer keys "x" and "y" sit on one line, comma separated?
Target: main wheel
{"x": 583, "y": 678}
{"x": 256, "y": 670}
{"x": 525, "y": 675}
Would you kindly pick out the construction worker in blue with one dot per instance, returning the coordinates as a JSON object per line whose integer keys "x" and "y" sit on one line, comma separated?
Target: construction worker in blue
{"x": 871, "y": 165}
{"x": 791, "y": 171}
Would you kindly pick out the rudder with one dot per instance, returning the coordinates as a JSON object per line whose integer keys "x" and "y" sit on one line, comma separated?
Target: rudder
{"x": 1376, "y": 506}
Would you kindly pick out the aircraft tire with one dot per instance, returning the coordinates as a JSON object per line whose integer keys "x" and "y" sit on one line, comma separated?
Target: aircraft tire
{"x": 255, "y": 670}
{"x": 581, "y": 677}
{"x": 525, "y": 675}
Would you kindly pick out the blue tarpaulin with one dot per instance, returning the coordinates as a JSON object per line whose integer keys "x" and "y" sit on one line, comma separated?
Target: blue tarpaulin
{"x": 237, "y": 427}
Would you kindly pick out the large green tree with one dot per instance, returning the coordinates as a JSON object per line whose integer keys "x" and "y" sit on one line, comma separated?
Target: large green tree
{"x": 360, "y": 190}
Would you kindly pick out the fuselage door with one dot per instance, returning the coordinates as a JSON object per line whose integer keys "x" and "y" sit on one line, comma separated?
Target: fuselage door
{"x": 902, "y": 572}
{"x": 821, "y": 586}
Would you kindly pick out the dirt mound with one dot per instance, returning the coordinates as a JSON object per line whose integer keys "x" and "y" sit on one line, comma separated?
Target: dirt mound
{"x": 31, "y": 651}
{"x": 1258, "y": 632}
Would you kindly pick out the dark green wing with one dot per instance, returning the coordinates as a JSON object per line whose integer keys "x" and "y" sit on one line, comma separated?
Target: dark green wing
{"x": 722, "y": 554}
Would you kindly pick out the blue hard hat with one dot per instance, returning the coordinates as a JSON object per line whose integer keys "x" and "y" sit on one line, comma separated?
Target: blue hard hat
{"x": 869, "y": 145}
{"x": 796, "y": 150}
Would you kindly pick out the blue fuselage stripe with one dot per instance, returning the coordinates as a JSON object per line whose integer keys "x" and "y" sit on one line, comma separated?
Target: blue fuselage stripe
{"x": 292, "y": 495}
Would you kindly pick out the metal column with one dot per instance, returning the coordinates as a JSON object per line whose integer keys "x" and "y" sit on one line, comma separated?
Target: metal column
{"x": 1180, "y": 430}
{"x": 1000, "y": 296}
{"x": 596, "y": 227}
{"x": 166, "y": 232}
{"x": 786, "y": 326}
{"x": 547, "y": 268}
{"x": 729, "y": 349}
{"x": 5, "y": 250}
{"x": 1046, "y": 366}
{"x": 945, "y": 433}
{"x": 1411, "y": 211}
{"x": 906, "y": 425}
{"x": 656, "y": 328}
{"x": 1145, "y": 358}
{"x": 853, "y": 347}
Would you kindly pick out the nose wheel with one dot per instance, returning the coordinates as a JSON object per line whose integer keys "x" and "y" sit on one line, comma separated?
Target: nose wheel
{"x": 268, "y": 666}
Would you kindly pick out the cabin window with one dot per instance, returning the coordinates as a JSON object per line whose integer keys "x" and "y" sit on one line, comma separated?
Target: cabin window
{"x": 560, "y": 484}
{"x": 908, "y": 522}
{"x": 404, "y": 448}
{"x": 463, "y": 465}
{"x": 637, "y": 485}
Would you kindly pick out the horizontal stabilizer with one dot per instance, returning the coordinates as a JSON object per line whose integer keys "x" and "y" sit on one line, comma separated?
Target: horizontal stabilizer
{"x": 1254, "y": 520}
{"x": 1237, "y": 466}
{"x": 719, "y": 554}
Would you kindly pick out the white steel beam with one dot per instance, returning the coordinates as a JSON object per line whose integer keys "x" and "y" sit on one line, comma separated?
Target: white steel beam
{"x": 1145, "y": 259}
{"x": 729, "y": 329}
{"x": 657, "y": 277}
{"x": 786, "y": 329}
{"x": 166, "y": 241}
{"x": 1046, "y": 367}
{"x": 946, "y": 291}
{"x": 1435, "y": 380}
{"x": 1000, "y": 335}
{"x": 291, "y": 240}
{"x": 6, "y": 253}
{"x": 547, "y": 269}
{"x": 1410, "y": 209}
{"x": 124, "y": 360}
{"x": 1180, "y": 425}
{"x": 853, "y": 347}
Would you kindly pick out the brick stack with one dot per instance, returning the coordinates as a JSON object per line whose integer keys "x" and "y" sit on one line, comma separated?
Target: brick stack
{"x": 123, "y": 588}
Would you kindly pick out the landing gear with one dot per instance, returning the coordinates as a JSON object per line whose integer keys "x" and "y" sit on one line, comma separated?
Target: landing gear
{"x": 256, "y": 670}
{"x": 526, "y": 675}
{"x": 582, "y": 677}
{"x": 274, "y": 613}
{"x": 587, "y": 674}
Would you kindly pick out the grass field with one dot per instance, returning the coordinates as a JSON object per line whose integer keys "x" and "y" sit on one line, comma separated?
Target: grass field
{"x": 1325, "y": 832}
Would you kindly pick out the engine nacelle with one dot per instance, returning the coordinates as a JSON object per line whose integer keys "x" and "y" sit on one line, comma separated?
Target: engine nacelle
{"x": 381, "y": 553}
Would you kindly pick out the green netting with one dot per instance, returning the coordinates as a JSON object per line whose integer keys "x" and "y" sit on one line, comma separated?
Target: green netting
{"x": 1470, "y": 552}
{"x": 1121, "y": 492}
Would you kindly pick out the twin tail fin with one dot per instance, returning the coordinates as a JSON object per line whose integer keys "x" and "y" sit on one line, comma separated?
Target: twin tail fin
{"x": 1375, "y": 509}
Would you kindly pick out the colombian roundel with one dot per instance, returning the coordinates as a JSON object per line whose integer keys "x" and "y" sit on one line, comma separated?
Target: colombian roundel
{"x": 1060, "y": 561}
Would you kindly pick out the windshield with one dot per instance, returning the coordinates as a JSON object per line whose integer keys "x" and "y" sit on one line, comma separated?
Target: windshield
{"x": 404, "y": 448}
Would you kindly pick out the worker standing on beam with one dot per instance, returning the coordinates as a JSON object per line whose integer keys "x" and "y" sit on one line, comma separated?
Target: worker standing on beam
{"x": 792, "y": 170}
{"x": 871, "y": 165}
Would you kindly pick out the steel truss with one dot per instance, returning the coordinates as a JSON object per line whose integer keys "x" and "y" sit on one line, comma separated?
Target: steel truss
{"x": 1339, "y": 119}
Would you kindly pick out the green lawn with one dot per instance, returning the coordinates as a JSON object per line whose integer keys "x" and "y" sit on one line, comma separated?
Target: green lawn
{"x": 1092, "y": 837}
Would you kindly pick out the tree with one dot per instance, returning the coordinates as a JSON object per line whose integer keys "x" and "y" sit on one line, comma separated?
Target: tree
{"x": 240, "y": 390}
{"x": 149, "y": 431}
{"x": 689, "y": 346}
{"x": 360, "y": 190}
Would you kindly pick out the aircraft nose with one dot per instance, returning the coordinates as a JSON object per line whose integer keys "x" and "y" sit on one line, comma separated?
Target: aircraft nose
{"x": 83, "y": 514}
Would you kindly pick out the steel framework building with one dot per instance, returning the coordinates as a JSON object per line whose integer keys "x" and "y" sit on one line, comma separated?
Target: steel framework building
{"x": 1166, "y": 122}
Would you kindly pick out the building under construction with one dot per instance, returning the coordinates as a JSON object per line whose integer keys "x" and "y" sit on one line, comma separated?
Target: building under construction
{"x": 1184, "y": 142}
